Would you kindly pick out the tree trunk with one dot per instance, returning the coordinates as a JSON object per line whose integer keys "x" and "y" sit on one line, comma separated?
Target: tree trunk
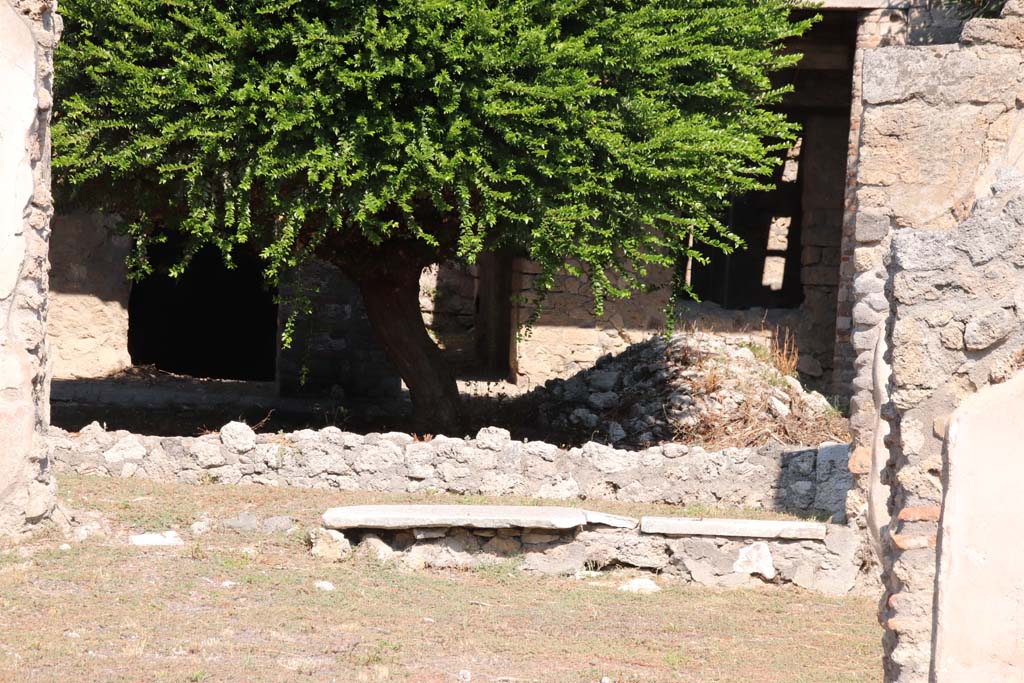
{"x": 393, "y": 307}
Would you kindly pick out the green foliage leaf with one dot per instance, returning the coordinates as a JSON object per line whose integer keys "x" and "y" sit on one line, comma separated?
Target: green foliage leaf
{"x": 606, "y": 135}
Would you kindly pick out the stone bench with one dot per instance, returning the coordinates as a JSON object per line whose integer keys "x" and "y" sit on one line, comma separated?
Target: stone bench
{"x": 564, "y": 540}
{"x": 469, "y": 517}
{"x": 734, "y": 528}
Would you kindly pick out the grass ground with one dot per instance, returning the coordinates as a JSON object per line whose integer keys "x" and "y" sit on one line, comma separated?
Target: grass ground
{"x": 227, "y": 607}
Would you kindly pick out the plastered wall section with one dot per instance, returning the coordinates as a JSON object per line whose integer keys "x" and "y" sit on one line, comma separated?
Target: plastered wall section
{"x": 939, "y": 204}
{"x": 28, "y": 31}
{"x": 89, "y": 290}
{"x": 980, "y": 607}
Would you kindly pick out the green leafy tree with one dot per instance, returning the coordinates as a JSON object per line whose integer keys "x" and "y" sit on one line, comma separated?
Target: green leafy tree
{"x": 970, "y": 9}
{"x": 603, "y": 137}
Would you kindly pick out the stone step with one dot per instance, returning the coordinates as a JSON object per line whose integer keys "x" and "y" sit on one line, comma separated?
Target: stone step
{"x": 742, "y": 528}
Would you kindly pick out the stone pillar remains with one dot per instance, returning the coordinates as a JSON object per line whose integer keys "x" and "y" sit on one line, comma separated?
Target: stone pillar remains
{"x": 856, "y": 336}
{"x": 862, "y": 306}
{"x": 28, "y": 31}
{"x": 939, "y": 261}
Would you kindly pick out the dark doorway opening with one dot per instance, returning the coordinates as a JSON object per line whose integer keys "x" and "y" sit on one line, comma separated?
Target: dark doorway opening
{"x": 212, "y": 321}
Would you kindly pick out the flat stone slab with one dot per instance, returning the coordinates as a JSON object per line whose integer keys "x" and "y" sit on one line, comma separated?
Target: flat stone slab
{"x": 742, "y": 528}
{"x": 469, "y": 516}
{"x": 605, "y": 519}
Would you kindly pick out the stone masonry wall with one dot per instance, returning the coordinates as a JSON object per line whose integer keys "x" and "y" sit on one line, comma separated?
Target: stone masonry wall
{"x": 568, "y": 337}
{"x": 922, "y": 23}
{"x": 810, "y": 481}
{"x": 338, "y": 349}
{"x": 706, "y": 552}
{"x": 938, "y": 226}
{"x": 28, "y": 31}
{"x": 334, "y": 350}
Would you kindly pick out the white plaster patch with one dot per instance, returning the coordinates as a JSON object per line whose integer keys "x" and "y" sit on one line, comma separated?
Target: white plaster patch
{"x": 17, "y": 111}
{"x": 980, "y": 618}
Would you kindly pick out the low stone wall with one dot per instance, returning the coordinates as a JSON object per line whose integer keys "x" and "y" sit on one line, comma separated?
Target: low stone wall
{"x": 724, "y": 553}
{"x": 811, "y": 481}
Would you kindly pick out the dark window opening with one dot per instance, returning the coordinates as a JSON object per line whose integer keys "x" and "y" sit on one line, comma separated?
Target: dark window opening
{"x": 211, "y": 322}
{"x": 766, "y": 273}
{"x": 494, "y": 326}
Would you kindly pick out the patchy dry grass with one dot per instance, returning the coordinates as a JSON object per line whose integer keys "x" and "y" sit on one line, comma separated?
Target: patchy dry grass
{"x": 243, "y": 608}
{"x": 145, "y": 504}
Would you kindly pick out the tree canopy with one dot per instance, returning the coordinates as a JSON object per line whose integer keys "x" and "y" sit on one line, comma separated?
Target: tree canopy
{"x": 598, "y": 136}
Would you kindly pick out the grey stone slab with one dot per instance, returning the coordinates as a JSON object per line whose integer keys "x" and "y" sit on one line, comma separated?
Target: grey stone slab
{"x": 470, "y": 516}
{"x": 739, "y": 528}
{"x": 605, "y": 519}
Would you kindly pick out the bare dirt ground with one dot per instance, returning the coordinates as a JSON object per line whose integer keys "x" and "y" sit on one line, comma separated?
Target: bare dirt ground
{"x": 231, "y": 607}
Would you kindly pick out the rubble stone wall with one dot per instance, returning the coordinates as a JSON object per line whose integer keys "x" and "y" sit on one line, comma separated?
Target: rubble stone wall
{"x": 28, "y": 31}
{"x": 336, "y": 347}
{"x": 809, "y": 481}
{"x": 938, "y": 224}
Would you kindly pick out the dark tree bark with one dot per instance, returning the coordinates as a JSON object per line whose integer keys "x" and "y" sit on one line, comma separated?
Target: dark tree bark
{"x": 388, "y": 276}
{"x": 393, "y": 306}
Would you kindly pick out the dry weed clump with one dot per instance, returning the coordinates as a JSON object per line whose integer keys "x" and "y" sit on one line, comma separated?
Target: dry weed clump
{"x": 750, "y": 405}
{"x": 783, "y": 352}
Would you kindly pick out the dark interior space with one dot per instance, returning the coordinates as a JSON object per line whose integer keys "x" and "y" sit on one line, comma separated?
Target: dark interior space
{"x": 473, "y": 317}
{"x": 212, "y": 321}
{"x": 785, "y": 228}
{"x": 766, "y": 272}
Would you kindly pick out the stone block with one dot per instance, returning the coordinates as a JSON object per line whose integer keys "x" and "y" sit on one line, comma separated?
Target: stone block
{"x": 742, "y": 528}
{"x": 330, "y": 545}
{"x": 979, "y": 582}
{"x": 921, "y": 250}
{"x": 1008, "y": 32}
{"x": 605, "y": 519}
{"x": 238, "y": 437}
{"x": 468, "y": 516}
{"x": 988, "y": 327}
{"x": 755, "y": 558}
{"x": 872, "y": 226}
